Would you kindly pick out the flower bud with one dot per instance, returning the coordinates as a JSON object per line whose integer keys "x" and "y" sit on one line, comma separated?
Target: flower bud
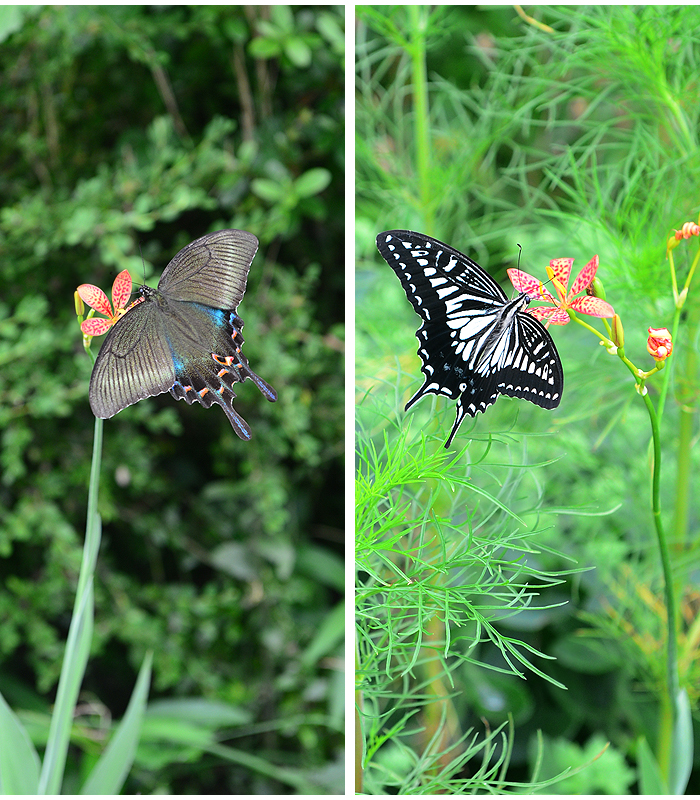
{"x": 618, "y": 333}
{"x": 79, "y": 305}
{"x": 596, "y": 289}
{"x": 659, "y": 343}
{"x": 672, "y": 243}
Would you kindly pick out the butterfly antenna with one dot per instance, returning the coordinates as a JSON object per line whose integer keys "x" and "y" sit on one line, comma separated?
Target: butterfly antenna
{"x": 520, "y": 252}
{"x": 143, "y": 264}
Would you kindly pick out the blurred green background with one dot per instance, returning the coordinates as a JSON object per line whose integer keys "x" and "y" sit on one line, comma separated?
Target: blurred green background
{"x": 136, "y": 129}
{"x": 572, "y": 134}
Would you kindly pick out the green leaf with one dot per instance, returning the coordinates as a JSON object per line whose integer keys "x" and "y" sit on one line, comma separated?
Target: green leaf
{"x": 111, "y": 770}
{"x": 330, "y": 634}
{"x": 206, "y": 713}
{"x": 72, "y": 672}
{"x": 19, "y": 761}
{"x": 328, "y": 25}
{"x": 11, "y": 20}
{"x": 649, "y": 774}
{"x": 312, "y": 182}
{"x": 264, "y": 48}
{"x": 298, "y": 52}
{"x": 682, "y": 750}
{"x": 267, "y": 189}
{"x": 282, "y": 17}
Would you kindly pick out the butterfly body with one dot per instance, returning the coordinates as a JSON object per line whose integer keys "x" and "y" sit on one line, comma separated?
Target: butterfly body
{"x": 184, "y": 337}
{"x": 475, "y": 343}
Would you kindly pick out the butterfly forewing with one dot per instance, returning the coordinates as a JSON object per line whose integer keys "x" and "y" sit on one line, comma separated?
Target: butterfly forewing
{"x": 212, "y": 270}
{"x": 134, "y": 362}
{"x": 474, "y": 343}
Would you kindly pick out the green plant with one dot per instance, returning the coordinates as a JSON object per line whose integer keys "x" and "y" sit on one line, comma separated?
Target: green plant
{"x": 19, "y": 763}
{"x": 128, "y": 132}
{"x": 483, "y": 130}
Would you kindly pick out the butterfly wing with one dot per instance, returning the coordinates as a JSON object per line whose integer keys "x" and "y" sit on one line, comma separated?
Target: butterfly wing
{"x": 458, "y": 302}
{"x": 185, "y": 337}
{"x": 212, "y": 270}
{"x": 206, "y": 344}
{"x": 474, "y": 343}
{"x": 134, "y": 362}
{"x": 533, "y": 368}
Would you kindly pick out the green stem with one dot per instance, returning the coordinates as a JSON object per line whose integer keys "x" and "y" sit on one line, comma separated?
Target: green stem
{"x": 604, "y": 339}
{"x": 79, "y": 637}
{"x": 668, "y": 706}
{"x": 419, "y": 20}
{"x": 683, "y": 477}
{"x": 680, "y": 302}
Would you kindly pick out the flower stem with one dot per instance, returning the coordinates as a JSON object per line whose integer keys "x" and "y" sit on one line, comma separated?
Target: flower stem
{"x": 421, "y": 130}
{"x": 79, "y": 638}
{"x": 668, "y": 720}
{"x": 604, "y": 339}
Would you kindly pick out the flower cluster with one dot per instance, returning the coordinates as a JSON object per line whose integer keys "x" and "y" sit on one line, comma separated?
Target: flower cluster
{"x": 559, "y": 271}
{"x": 558, "y": 310}
{"x": 97, "y": 299}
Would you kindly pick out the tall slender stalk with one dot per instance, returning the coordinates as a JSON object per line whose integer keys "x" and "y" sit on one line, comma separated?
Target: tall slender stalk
{"x": 667, "y": 724}
{"x": 79, "y": 637}
{"x": 421, "y": 120}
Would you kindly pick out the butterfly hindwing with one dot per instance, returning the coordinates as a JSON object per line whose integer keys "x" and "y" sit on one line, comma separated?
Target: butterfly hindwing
{"x": 184, "y": 337}
{"x": 474, "y": 343}
{"x": 207, "y": 374}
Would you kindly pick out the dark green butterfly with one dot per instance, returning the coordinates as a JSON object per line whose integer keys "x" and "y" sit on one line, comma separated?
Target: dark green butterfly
{"x": 185, "y": 336}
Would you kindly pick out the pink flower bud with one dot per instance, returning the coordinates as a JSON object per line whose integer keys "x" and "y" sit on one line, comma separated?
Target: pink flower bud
{"x": 659, "y": 343}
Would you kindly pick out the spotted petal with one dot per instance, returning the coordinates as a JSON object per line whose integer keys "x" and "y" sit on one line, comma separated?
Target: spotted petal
{"x": 95, "y": 326}
{"x": 121, "y": 290}
{"x": 593, "y": 306}
{"x": 561, "y": 267}
{"x": 549, "y": 315}
{"x": 584, "y": 278}
{"x": 95, "y": 298}
{"x": 532, "y": 287}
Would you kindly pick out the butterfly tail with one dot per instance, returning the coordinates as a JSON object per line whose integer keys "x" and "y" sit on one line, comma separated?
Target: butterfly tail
{"x": 267, "y": 391}
{"x": 419, "y": 395}
{"x": 207, "y": 394}
{"x": 461, "y": 413}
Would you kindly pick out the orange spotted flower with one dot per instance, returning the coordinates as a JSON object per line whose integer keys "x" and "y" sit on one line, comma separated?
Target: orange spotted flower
{"x": 97, "y": 299}
{"x": 559, "y": 270}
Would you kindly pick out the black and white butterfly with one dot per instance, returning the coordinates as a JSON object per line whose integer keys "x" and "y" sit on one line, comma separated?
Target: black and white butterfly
{"x": 474, "y": 342}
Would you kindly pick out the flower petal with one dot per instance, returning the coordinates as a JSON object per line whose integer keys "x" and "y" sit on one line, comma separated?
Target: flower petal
{"x": 584, "y": 278}
{"x": 95, "y": 326}
{"x": 552, "y": 316}
{"x": 121, "y": 289}
{"x": 532, "y": 287}
{"x": 561, "y": 267}
{"x": 95, "y": 298}
{"x": 593, "y": 306}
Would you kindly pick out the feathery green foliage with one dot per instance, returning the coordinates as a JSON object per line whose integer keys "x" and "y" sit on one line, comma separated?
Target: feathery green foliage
{"x": 574, "y": 134}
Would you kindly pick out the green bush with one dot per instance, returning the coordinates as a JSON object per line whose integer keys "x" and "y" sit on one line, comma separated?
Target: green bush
{"x": 129, "y": 131}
